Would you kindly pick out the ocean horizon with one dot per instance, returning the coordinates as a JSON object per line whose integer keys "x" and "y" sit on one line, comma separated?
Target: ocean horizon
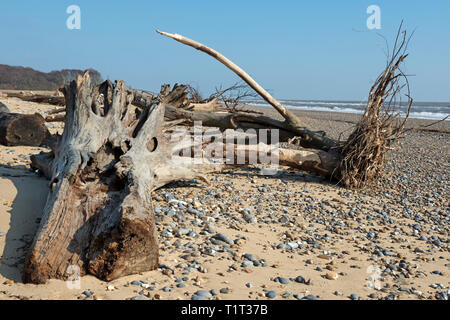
{"x": 419, "y": 110}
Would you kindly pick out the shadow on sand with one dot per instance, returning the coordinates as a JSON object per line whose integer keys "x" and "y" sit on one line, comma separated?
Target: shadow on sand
{"x": 28, "y": 192}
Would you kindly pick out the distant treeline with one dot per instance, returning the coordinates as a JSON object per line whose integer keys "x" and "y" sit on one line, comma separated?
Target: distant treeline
{"x": 21, "y": 78}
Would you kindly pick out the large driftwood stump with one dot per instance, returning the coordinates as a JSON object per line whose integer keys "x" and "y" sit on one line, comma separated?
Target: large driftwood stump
{"x": 21, "y": 129}
{"x": 99, "y": 214}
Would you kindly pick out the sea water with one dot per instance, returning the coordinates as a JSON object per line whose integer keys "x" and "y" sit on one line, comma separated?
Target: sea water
{"x": 419, "y": 110}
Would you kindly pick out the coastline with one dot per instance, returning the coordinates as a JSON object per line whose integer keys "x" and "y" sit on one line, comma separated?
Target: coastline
{"x": 352, "y": 118}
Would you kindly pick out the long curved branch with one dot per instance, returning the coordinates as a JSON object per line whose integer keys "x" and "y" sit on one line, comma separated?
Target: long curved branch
{"x": 290, "y": 118}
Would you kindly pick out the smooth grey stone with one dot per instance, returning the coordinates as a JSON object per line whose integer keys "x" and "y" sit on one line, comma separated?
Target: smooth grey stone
{"x": 247, "y": 264}
{"x": 140, "y": 297}
{"x": 157, "y": 210}
{"x": 283, "y": 280}
{"x": 354, "y": 296}
{"x": 88, "y": 293}
{"x": 182, "y": 231}
{"x": 310, "y": 297}
{"x": 249, "y": 218}
{"x": 224, "y": 238}
{"x": 298, "y": 296}
{"x": 249, "y": 257}
{"x": 292, "y": 245}
{"x": 204, "y": 293}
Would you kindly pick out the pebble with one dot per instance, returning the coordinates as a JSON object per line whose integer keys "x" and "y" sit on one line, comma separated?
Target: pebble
{"x": 204, "y": 293}
{"x": 249, "y": 257}
{"x": 282, "y": 280}
{"x": 88, "y": 293}
{"x": 271, "y": 294}
{"x": 246, "y": 264}
{"x": 332, "y": 276}
{"x": 249, "y": 218}
{"x": 182, "y": 231}
{"x": 224, "y": 238}
{"x": 140, "y": 297}
{"x": 354, "y": 296}
{"x": 292, "y": 245}
{"x": 298, "y": 296}
{"x": 310, "y": 297}
{"x": 437, "y": 272}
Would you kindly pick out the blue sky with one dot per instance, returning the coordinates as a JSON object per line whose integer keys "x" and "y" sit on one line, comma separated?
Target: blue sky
{"x": 295, "y": 49}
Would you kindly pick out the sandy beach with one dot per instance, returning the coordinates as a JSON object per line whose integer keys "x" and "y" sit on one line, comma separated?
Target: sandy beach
{"x": 249, "y": 236}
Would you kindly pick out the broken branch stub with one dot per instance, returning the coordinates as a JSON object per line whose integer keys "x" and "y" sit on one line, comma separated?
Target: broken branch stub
{"x": 99, "y": 214}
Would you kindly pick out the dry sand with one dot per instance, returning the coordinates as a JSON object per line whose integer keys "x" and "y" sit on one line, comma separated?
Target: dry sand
{"x": 339, "y": 232}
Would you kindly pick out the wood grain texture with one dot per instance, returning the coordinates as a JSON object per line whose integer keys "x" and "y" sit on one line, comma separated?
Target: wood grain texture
{"x": 22, "y": 129}
{"x": 99, "y": 214}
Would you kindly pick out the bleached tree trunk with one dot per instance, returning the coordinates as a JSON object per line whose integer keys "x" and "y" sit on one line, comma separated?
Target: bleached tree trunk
{"x": 102, "y": 170}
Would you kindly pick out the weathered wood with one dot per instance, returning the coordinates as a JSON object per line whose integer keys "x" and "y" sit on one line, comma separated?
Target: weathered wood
{"x": 176, "y": 97}
{"x": 98, "y": 214}
{"x": 243, "y": 120}
{"x": 209, "y": 106}
{"x": 310, "y": 139}
{"x": 57, "y": 110}
{"x": 291, "y": 119}
{"x": 180, "y": 108}
{"x": 314, "y": 161}
{"x": 39, "y": 98}
{"x": 21, "y": 129}
{"x": 57, "y": 118}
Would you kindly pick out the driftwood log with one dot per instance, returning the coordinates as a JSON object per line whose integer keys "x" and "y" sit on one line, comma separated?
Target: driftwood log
{"x": 292, "y": 124}
{"x": 98, "y": 214}
{"x": 21, "y": 129}
{"x": 39, "y": 98}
